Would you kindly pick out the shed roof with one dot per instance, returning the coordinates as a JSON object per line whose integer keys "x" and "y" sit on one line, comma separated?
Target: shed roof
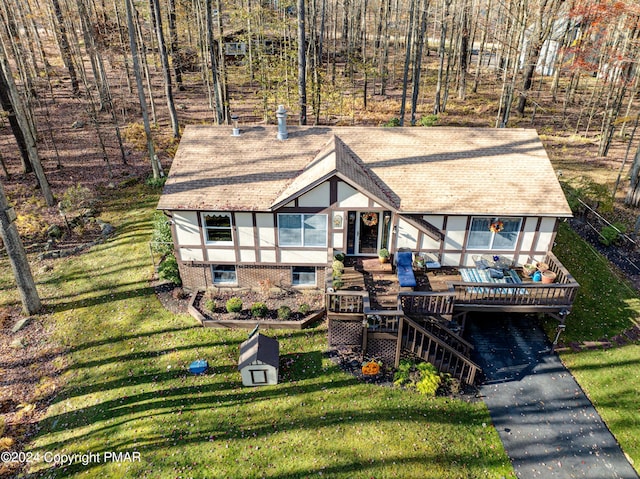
{"x": 414, "y": 170}
{"x": 259, "y": 348}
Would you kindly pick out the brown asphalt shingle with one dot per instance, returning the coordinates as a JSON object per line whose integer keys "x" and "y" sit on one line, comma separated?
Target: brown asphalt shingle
{"x": 416, "y": 170}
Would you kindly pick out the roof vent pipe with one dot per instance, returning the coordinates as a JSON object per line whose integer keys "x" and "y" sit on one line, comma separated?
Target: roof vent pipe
{"x": 235, "y": 131}
{"x": 281, "y": 115}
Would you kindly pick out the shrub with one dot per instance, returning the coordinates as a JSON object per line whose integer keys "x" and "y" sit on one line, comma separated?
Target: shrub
{"x": 429, "y": 381}
{"x": 611, "y": 234}
{"x": 259, "y": 309}
{"x": 156, "y": 182}
{"x": 392, "y": 123}
{"x": 428, "y": 120}
{"x": 423, "y": 377}
{"x": 168, "y": 270}
{"x": 284, "y": 313}
{"x": 234, "y": 305}
{"x": 161, "y": 240}
{"x": 2, "y": 425}
{"x": 304, "y": 309}
{"x": 76, "y": 198}
{"x": 210, "y": 304}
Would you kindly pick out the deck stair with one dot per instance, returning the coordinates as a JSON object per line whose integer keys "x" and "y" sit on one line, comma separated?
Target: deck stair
{"x": 415, "y": 339}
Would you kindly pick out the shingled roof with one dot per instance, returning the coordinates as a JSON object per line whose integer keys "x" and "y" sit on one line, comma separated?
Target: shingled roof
{"x": 414, "y": 170}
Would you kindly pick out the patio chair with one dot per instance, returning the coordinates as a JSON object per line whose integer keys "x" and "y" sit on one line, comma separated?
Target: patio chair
{"x": 404, "y": 268}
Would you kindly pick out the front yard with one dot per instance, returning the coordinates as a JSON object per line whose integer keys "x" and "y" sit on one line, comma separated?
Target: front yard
{"x": 125, "y": 388}
{"x": 124, "y": 385}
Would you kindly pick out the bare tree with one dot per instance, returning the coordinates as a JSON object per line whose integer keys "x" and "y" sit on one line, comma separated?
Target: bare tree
{"x": 155, "y": 163}
{"x": 18, "y": 258}
{"x": 164, "y": 59}
{"x": 302, "y": 63}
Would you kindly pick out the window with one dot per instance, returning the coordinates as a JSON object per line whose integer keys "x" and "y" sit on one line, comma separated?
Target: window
{"x": 303, "y": 276}
{"x": 482, "y": 237}
{"x": 302, "y": 230}
{"x": 224, "y": 274}
{"x": 217, "y": 228}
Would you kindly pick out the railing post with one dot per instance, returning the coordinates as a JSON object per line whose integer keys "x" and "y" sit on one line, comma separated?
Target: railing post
{"x": 399, "y": 343}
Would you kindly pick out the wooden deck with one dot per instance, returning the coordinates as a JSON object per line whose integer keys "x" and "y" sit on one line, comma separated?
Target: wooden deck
{"x": 373, "y": 312}
{"x": 379, "y": 281}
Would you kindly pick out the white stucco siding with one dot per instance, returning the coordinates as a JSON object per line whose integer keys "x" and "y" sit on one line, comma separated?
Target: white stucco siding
{"x": 221, "y": 255}
{"x": 186, "y": 228}
{"x": 349, "y": 197}
{"x": 319, "y": 196}
{"x": 265, "y": 229}
{"x": 428, "y": 243}
{"x": 450, "y": 259}
{"x": 247, "y": 256}
{"x": 302, "y": 257}
{"x": 456, "y": 229}
{"x": 338, "y": 241}
{"x": 267, "y": 256}
{"x": 437, "y": 221}
{"x": 528, "y": 233}
{"x": 407, "y": 236}
{"x": 545, "y": 237}
{"x": 191, "y": 254}
{"x": 244, "y": 228}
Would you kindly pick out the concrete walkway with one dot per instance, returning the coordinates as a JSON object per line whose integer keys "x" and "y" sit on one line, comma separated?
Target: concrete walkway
{"x": 547, "y": 425}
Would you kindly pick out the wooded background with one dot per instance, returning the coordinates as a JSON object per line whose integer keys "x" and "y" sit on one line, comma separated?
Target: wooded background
{"x": 90, "y": 90}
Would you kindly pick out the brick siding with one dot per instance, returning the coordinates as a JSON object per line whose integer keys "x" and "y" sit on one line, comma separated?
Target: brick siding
{"x": 198, "y": 276}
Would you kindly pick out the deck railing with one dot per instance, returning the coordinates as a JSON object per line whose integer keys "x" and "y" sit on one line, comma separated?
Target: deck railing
{"x": 432, "y": 349}
{"x": 526, "y": 296}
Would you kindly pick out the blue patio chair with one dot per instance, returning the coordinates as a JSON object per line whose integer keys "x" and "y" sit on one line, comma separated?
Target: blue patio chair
{"x": 404, "y": 267}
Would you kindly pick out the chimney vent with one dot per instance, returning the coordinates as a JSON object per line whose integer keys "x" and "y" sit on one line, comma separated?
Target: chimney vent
{"x": 281, "y": 115}
{"x": 235, "y": 131}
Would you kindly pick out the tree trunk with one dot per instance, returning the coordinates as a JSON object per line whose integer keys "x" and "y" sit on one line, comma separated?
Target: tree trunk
{"x": 155, "y": 164}
{"x": 65, "y": 50}
{"x": 164, "y": 59}
{"x": 437, "y": 104}
{"x": 175, "y": 49}
{"x": 417, "y": 66}
{"x": 302, "y": 63}
{"x": 633, "y": 195}
{"x": 213, "y": 52}
{"x": 464, "y": 51}
{"x": 407, "y": 61}
{"x": 18, "y": 258}
{"x": 8, "y": 85}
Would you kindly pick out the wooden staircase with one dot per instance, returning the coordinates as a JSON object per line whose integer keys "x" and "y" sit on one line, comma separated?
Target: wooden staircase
{"x": 447, "y": 351}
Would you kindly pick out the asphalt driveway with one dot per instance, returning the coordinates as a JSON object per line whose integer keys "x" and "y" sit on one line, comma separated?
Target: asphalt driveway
{"x": 547, "y": 424}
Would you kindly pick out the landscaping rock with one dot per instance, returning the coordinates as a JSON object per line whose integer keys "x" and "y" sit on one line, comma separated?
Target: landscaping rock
{"x": 105, "y": 228}
{"x": 17, "y": 343}
{"x": 20, "y": 324}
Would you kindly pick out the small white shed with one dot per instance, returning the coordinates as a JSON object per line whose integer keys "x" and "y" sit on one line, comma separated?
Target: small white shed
{"x": 259, "y": 361}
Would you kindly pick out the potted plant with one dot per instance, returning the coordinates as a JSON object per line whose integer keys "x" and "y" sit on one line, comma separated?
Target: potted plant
{"x": 528, "y": 269}
{"x": 383, "y": 255}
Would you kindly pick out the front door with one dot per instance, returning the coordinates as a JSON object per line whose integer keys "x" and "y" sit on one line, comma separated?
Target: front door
{"x": 367, "y": 232}
{"x": 367, "y": 228}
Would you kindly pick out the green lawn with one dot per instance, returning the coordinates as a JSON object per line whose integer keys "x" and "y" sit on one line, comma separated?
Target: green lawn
{"x": 605, "y": 306}
{"x": 126, "y": 389}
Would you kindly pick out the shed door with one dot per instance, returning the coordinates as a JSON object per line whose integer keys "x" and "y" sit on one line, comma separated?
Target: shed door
{"x": 258, "y": 376}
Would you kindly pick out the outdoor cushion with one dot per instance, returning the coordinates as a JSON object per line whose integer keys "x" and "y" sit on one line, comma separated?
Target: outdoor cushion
{"x": 404, "y": 262}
